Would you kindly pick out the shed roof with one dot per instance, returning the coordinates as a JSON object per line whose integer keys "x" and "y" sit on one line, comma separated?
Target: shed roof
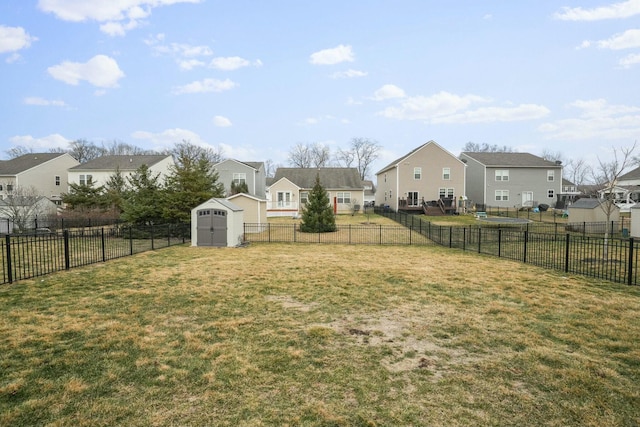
{"x": 122, "y": 162}
{"x": 498, "y": 159}
{"x": 26, "y": 162}
{"x": 585, "y": 203}
{"x": 334, "y": 178}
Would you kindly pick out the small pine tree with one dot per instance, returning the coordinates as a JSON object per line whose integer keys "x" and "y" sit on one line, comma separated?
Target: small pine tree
{"x": 317, "y": 215}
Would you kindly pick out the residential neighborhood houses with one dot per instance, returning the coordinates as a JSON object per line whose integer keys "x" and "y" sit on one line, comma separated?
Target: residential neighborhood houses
{"x": 429, "y": 179}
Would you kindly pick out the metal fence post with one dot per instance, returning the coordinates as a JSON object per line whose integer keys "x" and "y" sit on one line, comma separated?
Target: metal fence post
{"x": 526, "y": 241}
{"x": 479, "y": 239}
{"x": 630, "y": 263}
{"x": 450, "y": 236}
{"x": 131, "y": 240}
{"x": 104, "y": 255}
{"x": 566, "y": 254}
{"x": 499, "y": 242}
{"x": 9, "y": 265}
{"x": 67, "y": 258}
{"x": 152, "y": 243}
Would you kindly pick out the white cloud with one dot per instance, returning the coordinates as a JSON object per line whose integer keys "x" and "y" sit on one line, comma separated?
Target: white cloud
{"x": 169, "y": 137}
{"x": 240, "y": 152}
{"x": 627, "y": 40}
{"x": 40, "y": 144}
{"x": 13, "y": 39}
{"x": 448, "y": 108}
{"x": 388, "y": 92}
{"x": 35, "y": 100}
{"x": 497, "y": 114}
{"x": 336, "y": 55}
{"x": 221, "y": 121}
{"x": 101, "y": 71}
{"x": 597, "y": 119}
{"x": 348, "y": 74}
{"x": 206, "y": 85}
{"x": 116, "y": 16}
{"x": 229, "y": 63}
{"x": 182, "y": 49}
{"x": 630, "y": 60}
{"x": 623, "y": 9}
{"x": 190, "y": 64}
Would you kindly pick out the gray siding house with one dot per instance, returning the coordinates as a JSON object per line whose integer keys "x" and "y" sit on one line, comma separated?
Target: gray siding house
{"x": 251, "y": 173}
{"x": 511, "y": 180}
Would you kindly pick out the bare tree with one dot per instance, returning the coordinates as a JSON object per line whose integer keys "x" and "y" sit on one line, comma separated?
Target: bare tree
{"x": 188, "y": 150}
{"x": 83, "y": 150}
{"x": 484, "y": 147}
{"x": 365, "y": 152}
{"x": 320, "y": 155}
{"x": 345, "y": 158}
{"x": 577, "y": 171}
{"x": 119, "y": 148}
{"x": 270, "y": 168}
{"x": 17, "y": 151}
{"x": 606, "y": 176}
{"x": 300, "y": 156}
{"x": 23, "y": 206}
{"x": 552, "y": 156}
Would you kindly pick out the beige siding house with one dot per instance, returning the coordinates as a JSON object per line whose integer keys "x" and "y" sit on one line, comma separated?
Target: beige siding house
{"x": 46, "y": 173}
{"x": 99, "y": 170}
{"x": 255, "y": 211}
{"x": 290, "y": 189}
{"x": 427, "y": 174}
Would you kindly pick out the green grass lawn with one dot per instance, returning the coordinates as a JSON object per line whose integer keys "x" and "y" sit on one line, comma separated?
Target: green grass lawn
{"x": 318, "y": 335}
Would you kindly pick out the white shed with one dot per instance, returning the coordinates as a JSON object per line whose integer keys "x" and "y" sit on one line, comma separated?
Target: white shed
{"x": 635, "y": 221}
{"x": 217, "y": 222}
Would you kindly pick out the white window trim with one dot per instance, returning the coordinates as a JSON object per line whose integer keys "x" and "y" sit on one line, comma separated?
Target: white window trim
{"x": 417, "y": 173}
{"x": 501, "y": 195}
{"x": 502, "y": 174}
{"x": 446, "y": 174}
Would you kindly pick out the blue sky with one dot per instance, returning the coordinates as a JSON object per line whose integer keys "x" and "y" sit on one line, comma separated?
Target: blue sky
{"x": 255, "y": 78}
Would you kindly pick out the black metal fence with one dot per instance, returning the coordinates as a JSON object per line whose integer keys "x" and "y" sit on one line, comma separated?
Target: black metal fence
{"x": 610, "y": 258}
{"x": 26, "y": 256}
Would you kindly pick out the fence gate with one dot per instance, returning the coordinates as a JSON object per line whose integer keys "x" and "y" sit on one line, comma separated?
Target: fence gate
{"x": 212, "y": 227}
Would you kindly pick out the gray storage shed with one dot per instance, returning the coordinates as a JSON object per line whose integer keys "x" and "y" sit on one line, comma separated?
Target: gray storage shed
{"x": 217, "y": 222}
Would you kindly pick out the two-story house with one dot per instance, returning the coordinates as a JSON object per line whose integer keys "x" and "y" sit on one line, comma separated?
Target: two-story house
{"x": 511, "y": 179}
{"x": 45, "y": 173}
{"x": 289, "y": 189}
{"x": 426, "y": 174}
{"x": 99, "y": 170}
{"x": 253, "y": 174}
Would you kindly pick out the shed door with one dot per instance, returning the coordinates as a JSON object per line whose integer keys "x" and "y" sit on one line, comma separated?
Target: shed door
{"x": 212, "y": 227}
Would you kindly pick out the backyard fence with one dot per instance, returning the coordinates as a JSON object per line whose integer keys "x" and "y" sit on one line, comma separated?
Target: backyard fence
{"x": 569, "y": 248}
{"x": 26, "y": 256}
{"x": 614, "y": 259}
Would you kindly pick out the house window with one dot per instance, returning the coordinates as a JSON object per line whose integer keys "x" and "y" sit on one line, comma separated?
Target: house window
{"x": 446, "y": 174}
{"x": 1, "y": 188}
{"x": 239, "y": 178}
{"x": 86, "y": 179}
{"x": 344, "y": 197}
{"x": 284, "y": 199}
{"x": 304, "y": 197}
{"x": 445, "y": 193}
{"x": 385, "y": 177}
{"x": 502, "y": 175}
{"x": 550, "y": 175}
{"x": 9, "y": 187}
{"x": 57, "y": 180}
{"x": 550, "y": 194}
{"x": 412, "y": 198}
{"x": 502, "y": 195}
{"x": 417, "y": 173}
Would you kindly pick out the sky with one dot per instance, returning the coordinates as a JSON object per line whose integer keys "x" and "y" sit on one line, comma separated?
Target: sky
{"x": 254, "y": 78}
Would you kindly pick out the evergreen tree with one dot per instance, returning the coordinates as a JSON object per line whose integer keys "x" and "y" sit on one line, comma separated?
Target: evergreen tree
{"x": 143, "y": 204}
{"x": 115, "y": 192}
{"x": 192, "y": 181}
{"x": 84, "y": 197}
{"x": 239, "y": 188}
{"x": 317, "y": 215}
